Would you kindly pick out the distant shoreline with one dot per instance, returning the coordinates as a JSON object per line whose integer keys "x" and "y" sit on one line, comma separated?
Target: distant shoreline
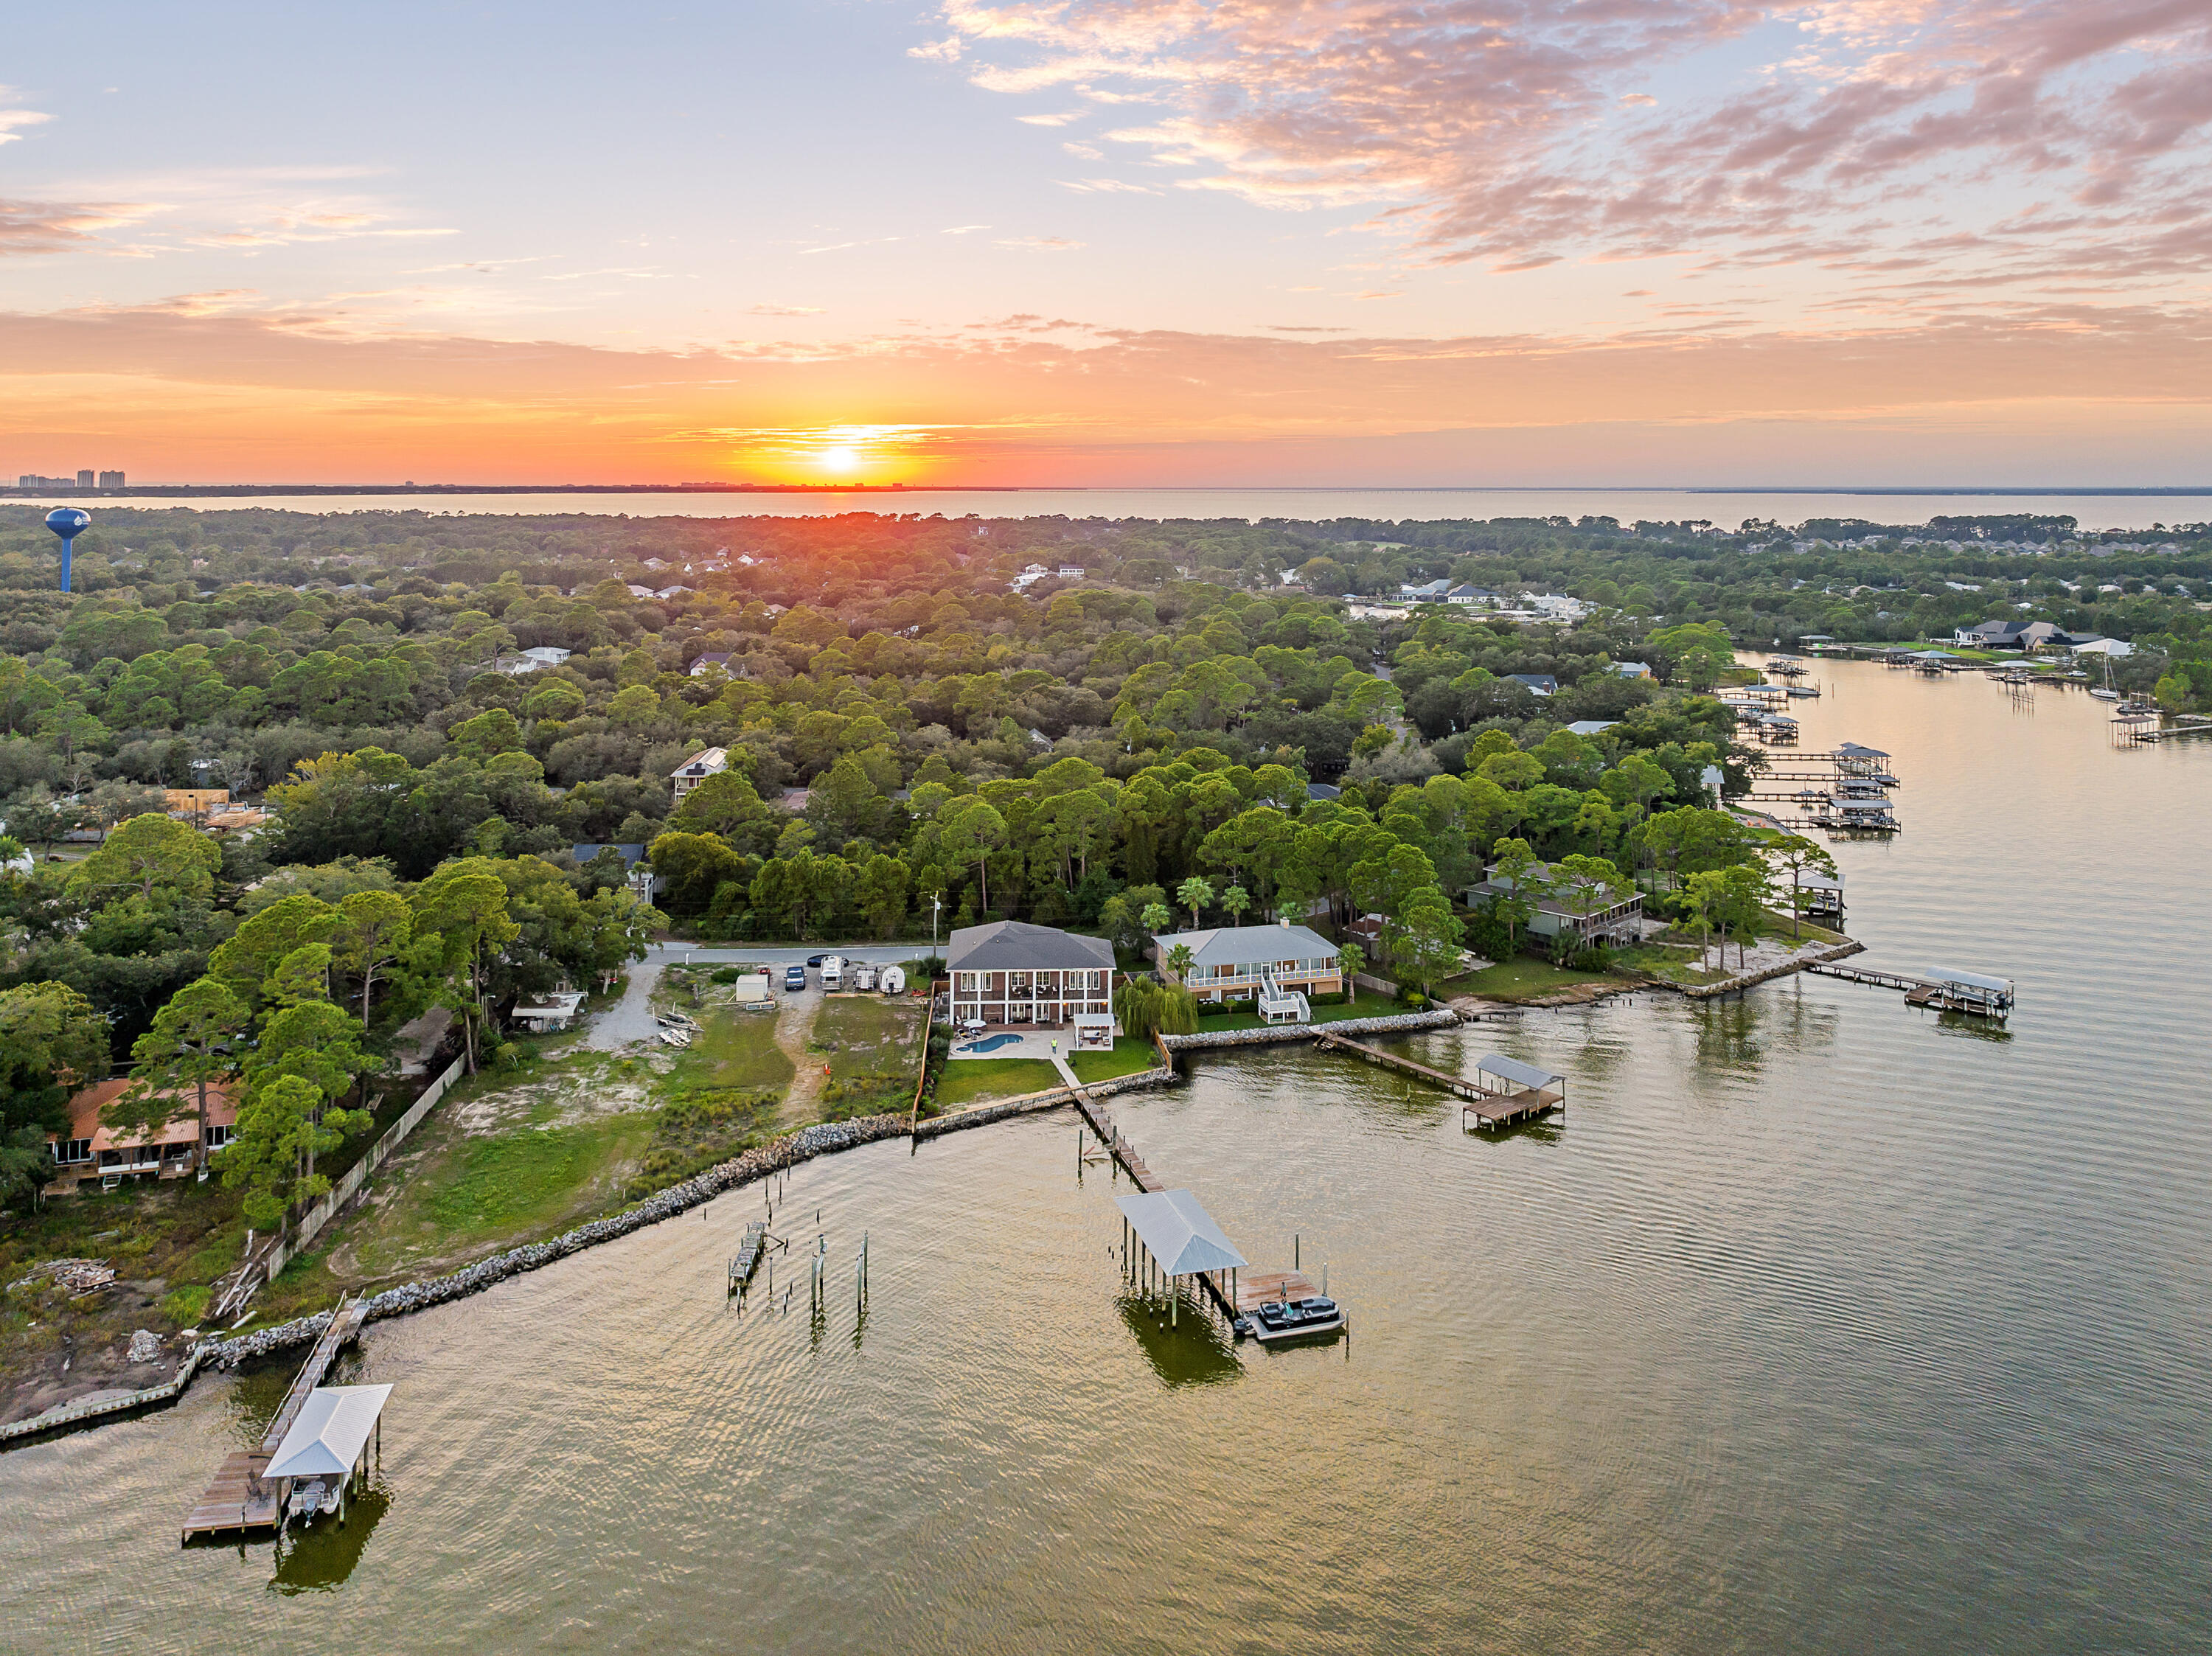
{"x": 217, "y": 491}
{"x": 249, "y": 491}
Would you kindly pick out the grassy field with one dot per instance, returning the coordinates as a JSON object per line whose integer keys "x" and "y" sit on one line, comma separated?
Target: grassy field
{"x": 1129, "y": 1057}
{"x": 972, "y": 1080}
{"x": 731, "y": 1049}
{"x": 1367, "y": 1006}
{"x": 509, "y": 1156}
{"x": 868, "y": 1036}
{"x": 1669, "y": 962}
{"x": 1524, "y": 979}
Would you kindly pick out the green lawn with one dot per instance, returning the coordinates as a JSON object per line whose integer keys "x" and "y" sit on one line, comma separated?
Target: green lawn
{"x": 971, "y": 1080}
{"x": 1367, "y": 1006}
{"x": 1522, "y": 978}
{"x": 1129, "y": 1057}
{"x": 869, "y": 1036}
{"x": 1671, "y": 962}
{"x": 731, "y": 1049}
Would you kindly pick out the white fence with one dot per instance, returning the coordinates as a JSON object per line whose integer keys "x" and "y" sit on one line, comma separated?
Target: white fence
{"x": 321, "y": 1214}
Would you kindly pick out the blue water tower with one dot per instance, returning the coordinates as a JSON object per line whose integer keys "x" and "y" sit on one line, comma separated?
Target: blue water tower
{"x": 69, "y": 522}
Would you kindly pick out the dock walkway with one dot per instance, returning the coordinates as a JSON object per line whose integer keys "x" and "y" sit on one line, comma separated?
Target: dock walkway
{"x": 1459, "y": 1086}
{"x": 1125, "y": 1153}
{"x": 241, "y": 1500}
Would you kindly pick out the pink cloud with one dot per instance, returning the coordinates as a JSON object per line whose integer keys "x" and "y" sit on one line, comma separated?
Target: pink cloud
{"x": 1516, "y": 132}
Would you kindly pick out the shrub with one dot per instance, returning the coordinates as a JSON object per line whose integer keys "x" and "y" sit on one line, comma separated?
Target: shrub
{"x": 184, "y": 1306}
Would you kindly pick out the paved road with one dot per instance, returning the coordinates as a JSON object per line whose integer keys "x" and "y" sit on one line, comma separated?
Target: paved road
{"x": 630, "y": 1018}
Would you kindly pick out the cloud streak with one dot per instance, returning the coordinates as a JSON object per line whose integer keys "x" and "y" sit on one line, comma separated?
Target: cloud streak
{"x": 2026, "y": 140}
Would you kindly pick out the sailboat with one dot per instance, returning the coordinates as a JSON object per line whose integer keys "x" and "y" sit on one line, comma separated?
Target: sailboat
{"x": 2104, "y": 692}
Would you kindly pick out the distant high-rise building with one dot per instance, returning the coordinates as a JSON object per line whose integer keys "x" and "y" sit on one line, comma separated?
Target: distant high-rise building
{"x": 111, "y": 480}
{"x": 32, "y": 480}
{"x": 84, "y": 478}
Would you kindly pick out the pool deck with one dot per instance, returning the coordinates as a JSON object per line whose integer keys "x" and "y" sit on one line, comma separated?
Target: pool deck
{"x": 1031, "y": 1042}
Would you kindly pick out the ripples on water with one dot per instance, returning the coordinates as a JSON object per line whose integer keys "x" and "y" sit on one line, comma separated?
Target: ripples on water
{"x": 1816, "y": 1323}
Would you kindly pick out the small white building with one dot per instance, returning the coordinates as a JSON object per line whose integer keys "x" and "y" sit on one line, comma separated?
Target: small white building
{"x": 707, "y": 761}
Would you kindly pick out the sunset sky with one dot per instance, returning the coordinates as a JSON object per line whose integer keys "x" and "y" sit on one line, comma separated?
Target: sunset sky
{"x": 1165, "y": 241}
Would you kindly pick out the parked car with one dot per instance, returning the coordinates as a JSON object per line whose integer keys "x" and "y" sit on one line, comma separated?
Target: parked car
{"x": 815, "y": 961}
{"x": 795, "y": 977}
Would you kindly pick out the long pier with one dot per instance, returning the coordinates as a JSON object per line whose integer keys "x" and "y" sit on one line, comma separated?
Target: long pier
{"x": 1125, "y": 1155}
{"x": 241, "y": 1500}
{"x": 1459, "y": 1086}
{"x": 1492, "y": 1107}
{"x": 1985, "y": 999}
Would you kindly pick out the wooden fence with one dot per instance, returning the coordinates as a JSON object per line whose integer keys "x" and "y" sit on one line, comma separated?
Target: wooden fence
{"x": 311, "y": 1224}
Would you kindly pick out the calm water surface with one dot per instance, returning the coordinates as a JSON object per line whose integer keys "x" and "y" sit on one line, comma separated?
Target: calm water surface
{"x": 1728, "y": 508}
{"x": 1818, "y": 1324}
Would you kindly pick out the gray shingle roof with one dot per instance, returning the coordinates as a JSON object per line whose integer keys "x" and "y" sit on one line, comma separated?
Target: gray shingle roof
{"x": 1016, "y": 946}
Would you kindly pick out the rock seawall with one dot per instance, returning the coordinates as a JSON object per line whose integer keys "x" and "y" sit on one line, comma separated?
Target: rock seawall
{"x": 1394, "y": 1023}
{"x": 824, "y": 1138}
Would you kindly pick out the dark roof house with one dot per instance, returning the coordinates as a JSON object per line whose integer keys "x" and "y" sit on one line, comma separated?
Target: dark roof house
{"x": 1535, "y": 684}
{"x": 1016, "y": 946}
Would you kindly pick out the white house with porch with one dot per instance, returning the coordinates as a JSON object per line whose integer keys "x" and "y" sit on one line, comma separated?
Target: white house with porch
{"x": 1277, "y": 966}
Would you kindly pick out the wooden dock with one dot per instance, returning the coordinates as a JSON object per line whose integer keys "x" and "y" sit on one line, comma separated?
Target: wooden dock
{"x": 1491, "y": 1107}
{"x": 1497, "y": 1111}
{"x": 1458, "y": 1086}
{"x": 1259, "y": 1288}
{"x": 1932, "y": 993}
{"x": 1869, "y": 976}
{"x": 1122, "y": 1150}
{"x": 241, "y": 1500}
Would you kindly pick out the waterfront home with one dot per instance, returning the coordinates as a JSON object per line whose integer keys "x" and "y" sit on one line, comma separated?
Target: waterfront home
{"x": 1428, "y": 591}
{"x": 1468, "y": 594}
{"x": 2008, "y": 635}
{"x": 1562, "y": 905}
{"x": 707, "y": 761}
{"x": 1241, "y": 962}
{"x": 92, "y": 1150}
{"x": 1010, "y": 972}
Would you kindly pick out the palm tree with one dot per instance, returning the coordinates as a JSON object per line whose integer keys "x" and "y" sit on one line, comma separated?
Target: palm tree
{"x": 1180, "y": 960}
{"x": 1234, "y": 901}
{"x": 1194, "y": 893}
